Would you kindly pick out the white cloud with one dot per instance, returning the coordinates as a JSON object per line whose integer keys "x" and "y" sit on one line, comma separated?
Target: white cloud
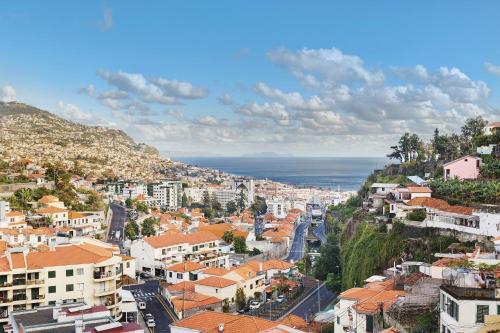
{"x": 7, "y": 94}
{"x": 89, "y": 90}
{"x": 180, "y": 89}
{"x": 225, "y": 99}
{"x": 328, "y": 65}
{"x": 293, "y": 100}
{"x": 107, "y": 19}
{"x": 493, "y": 69}
{"x": 274, "y": 111}
{"x": 72, "y": 112}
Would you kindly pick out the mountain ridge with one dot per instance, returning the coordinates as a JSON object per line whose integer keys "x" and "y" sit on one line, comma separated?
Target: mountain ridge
{"x": 27, "y": 132}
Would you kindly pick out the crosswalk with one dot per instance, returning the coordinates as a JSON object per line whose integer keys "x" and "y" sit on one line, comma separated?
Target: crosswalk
{"x": 142, "y": 296}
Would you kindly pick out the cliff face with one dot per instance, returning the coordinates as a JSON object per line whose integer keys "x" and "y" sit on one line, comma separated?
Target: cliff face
{"x": 40, "y": 136}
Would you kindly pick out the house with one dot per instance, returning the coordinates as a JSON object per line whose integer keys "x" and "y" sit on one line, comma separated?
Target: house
{"x": 210, "y": 321}
{"x": 361, "y": 309}
{"x": 492, "y": 127}
{"x": 183, "y": 271}
{"x": 217, "y": 286}
{"x": 466, "y": 167}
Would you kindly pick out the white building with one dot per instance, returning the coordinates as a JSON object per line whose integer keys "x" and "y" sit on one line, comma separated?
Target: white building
{"x": 276, "y": 206}
{"x": 168, "y": 194}
{"x": 133, "y": 190}
{"x": 246, "y": 185}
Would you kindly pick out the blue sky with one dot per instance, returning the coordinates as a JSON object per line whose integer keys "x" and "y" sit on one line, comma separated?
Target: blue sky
{"x": 234, "y": 77}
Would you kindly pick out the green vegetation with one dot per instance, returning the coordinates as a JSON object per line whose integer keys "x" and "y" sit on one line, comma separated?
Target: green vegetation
{"x": 149, "y": 226}
{"x": 259, "y": 206}
{"x": 417, "y": 215}
{"x": 369, "y": 251}
{"x": 131, "y": 230}
{"x": 228, "y": 237}
{"x": 466, "y": 192}
{"x": 240, "y": 298}
{"x": 240, "y": 245}
{"x": 241, "y": 200}
{"x": 231, "y": 207}
{"x": 254, "y": 252}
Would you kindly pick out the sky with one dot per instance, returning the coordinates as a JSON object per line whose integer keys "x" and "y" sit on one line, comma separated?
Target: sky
{"x": 304, "y": 78}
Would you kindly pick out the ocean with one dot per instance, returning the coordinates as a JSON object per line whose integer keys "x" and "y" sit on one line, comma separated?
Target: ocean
{"x": 346, "y": 173}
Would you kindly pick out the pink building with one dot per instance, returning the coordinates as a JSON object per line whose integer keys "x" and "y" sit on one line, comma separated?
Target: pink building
{"x": 466, "y": 167}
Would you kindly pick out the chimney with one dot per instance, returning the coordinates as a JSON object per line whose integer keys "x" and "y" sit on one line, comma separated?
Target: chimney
{"x": 55, "y": 311}
{"x": 260, "y": 266}
{"x": 79, "y": 326}
{"x": 220, "y": 328}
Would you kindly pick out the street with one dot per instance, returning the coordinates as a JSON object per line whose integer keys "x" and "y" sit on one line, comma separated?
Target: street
{"x": 320, "y": 232}
{"x": 310, "y": 304}
{"x": 117, "y": 223}
{"x": 297, "y": 249}
{"x": 148, "y": 292}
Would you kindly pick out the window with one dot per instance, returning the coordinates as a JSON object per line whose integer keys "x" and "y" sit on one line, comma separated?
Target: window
{"x": 52, "y": 303}
{"x": 452, "y": 308}
{"x": 128, "y": 264}
{"x": 369, "y": 323}
{"x": 179, "y": 275}
{"x": 216, "y": 290}
{"x": 169, "y": 274}
{"x": 69, "y": 272}
{"x": 498, "y": 309}
{"x": 52, "y": 274}
{"x": 338, "y": 320}
{"x": 481, "y": 311}
{"x": 52, "y": 289}
{"x": 70, "y": 287}
{"x": 163, "y": 251}
{"x": 79, "y": 271}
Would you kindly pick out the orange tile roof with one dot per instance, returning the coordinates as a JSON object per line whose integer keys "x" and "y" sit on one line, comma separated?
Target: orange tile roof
{"x": 3, "y": 247}
{"x": 50, "y": 210}
{"x": 187, "y": 266}
{"x": 440, "y": 205}
{"x": 182, "y": 304}
{"x": 294, "y": 322}
{"x": 215, "y": 281}
{"x": 48, "y": 199}
{"x": 75, "y": 215}
{"x": 384, "y": 299}
{"x": 200, "y": 237}
{"x": 67, "y": 255}
{"x": 4, "y": 264}
{"x": 419, "y": 189}
{"x": 181, "y": 286}
{"x": 269, "y": 264}
{"x": 216, "y": 271}
{"x": 18, "y": 260}
{"x": 165, "y": 240}
{"x": 209, "y": 321}
{"x": 6, "y": 231}
{"x": 14, "y": 213}
{"x": 245, "y": 272}
{"x": 40, "y": 231}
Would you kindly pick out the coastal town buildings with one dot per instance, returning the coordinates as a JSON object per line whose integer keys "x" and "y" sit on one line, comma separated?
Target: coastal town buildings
{"x": 465, "y": 167}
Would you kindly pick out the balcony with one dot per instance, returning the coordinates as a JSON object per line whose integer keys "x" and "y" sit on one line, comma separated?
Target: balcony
{"x": 35, "y": 282}
{"x": 110, "y": 301}
{"x": 5, "y": 300}
{"x": 5, "y": 284}
{"x": 19, "y": 282}
{"x": 37, "y": 297}
{"x": 100, "y": 275}
{"x": 19, "y": 297}
{"x": 104, "y": 291}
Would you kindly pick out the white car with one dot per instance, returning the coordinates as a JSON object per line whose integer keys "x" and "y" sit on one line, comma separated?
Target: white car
{"x": 254, "y": 305}
{"x": 151, "y": 322}
{"x": 141, "y": 305}
{"x": 280, "y": 299}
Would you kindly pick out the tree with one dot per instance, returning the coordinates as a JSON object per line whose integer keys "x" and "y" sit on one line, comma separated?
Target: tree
{"x": 184, "y": 200}
{"x": 329, "y": 259}
{"x": 474, "y": 127}
{"x": 240, "y": 246}
{"x": 131, "y": 230}
{"x": 240, "y": 298}
{"x": 255, "y": 252}
{"x": 215, "y": 203}
{"x": 141, "y": 207}
{"x": 259, "y": 206}
{"x": 206, "y": 199}
{"x": 242, "y": 199}
{"x": 231, "y": 207}
{"x": 148, "y": 226}
{"x": 228, "y": 236}
{"x": 128, "y": 203}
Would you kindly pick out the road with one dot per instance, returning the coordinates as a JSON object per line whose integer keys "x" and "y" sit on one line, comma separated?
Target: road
{"x": 297, "y": 249}
{"x": 148, "y": 292}
{"x": 320, "y": 232}
{"x": 117, "y": 223}
{"x": 310, "y": 304}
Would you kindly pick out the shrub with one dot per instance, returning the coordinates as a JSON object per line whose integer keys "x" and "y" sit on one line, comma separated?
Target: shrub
{"x": 417, "y": 215}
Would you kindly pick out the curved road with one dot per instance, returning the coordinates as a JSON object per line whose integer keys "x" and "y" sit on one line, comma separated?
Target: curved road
{"x": 117, "y": 223}
{"x": 297, "y": 249}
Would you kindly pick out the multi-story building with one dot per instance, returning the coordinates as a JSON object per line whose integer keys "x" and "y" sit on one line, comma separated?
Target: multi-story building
{"x": 133, "y": 190}
{"x": 84, "y": 272}
{"x": 246, "y": 185}
{"x": 168, "y": 194}
{"x": 154, "y": 254}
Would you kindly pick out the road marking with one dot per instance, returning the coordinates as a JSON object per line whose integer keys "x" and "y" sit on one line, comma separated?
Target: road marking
{"x": 167, "y": 309}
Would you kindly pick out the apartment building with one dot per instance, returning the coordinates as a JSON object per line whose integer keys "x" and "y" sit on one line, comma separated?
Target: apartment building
{"x": 246, "y": 185}
{"x": 133, "y": 190}
{"x": 84, "y": 272}
{"x": 168, "y": 194}
{"x": 156, "y": 253}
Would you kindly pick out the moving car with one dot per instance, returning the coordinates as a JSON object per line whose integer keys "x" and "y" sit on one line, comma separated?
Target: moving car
{"x": 254, "y": 305}
{"x": 141, "y": 305}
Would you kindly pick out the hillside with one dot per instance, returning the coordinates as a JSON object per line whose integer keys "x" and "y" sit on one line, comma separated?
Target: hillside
{"x": 30, "y": 133}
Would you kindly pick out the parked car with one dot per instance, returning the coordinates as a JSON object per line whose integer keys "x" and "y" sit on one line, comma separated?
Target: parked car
{"x": 254, "y": 305}
{"x": 141, "y": 305}
{"x": 148, "y": 316}
{"x": 150, "y": 323}
{"x": 245, "y": 309}
{"x": 280, "y": 298}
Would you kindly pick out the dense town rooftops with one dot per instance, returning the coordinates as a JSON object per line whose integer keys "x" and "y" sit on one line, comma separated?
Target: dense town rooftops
{"x": 183, "y": 267}
{"x": 440, "y": 205}
{"x": 173, "y": 238}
